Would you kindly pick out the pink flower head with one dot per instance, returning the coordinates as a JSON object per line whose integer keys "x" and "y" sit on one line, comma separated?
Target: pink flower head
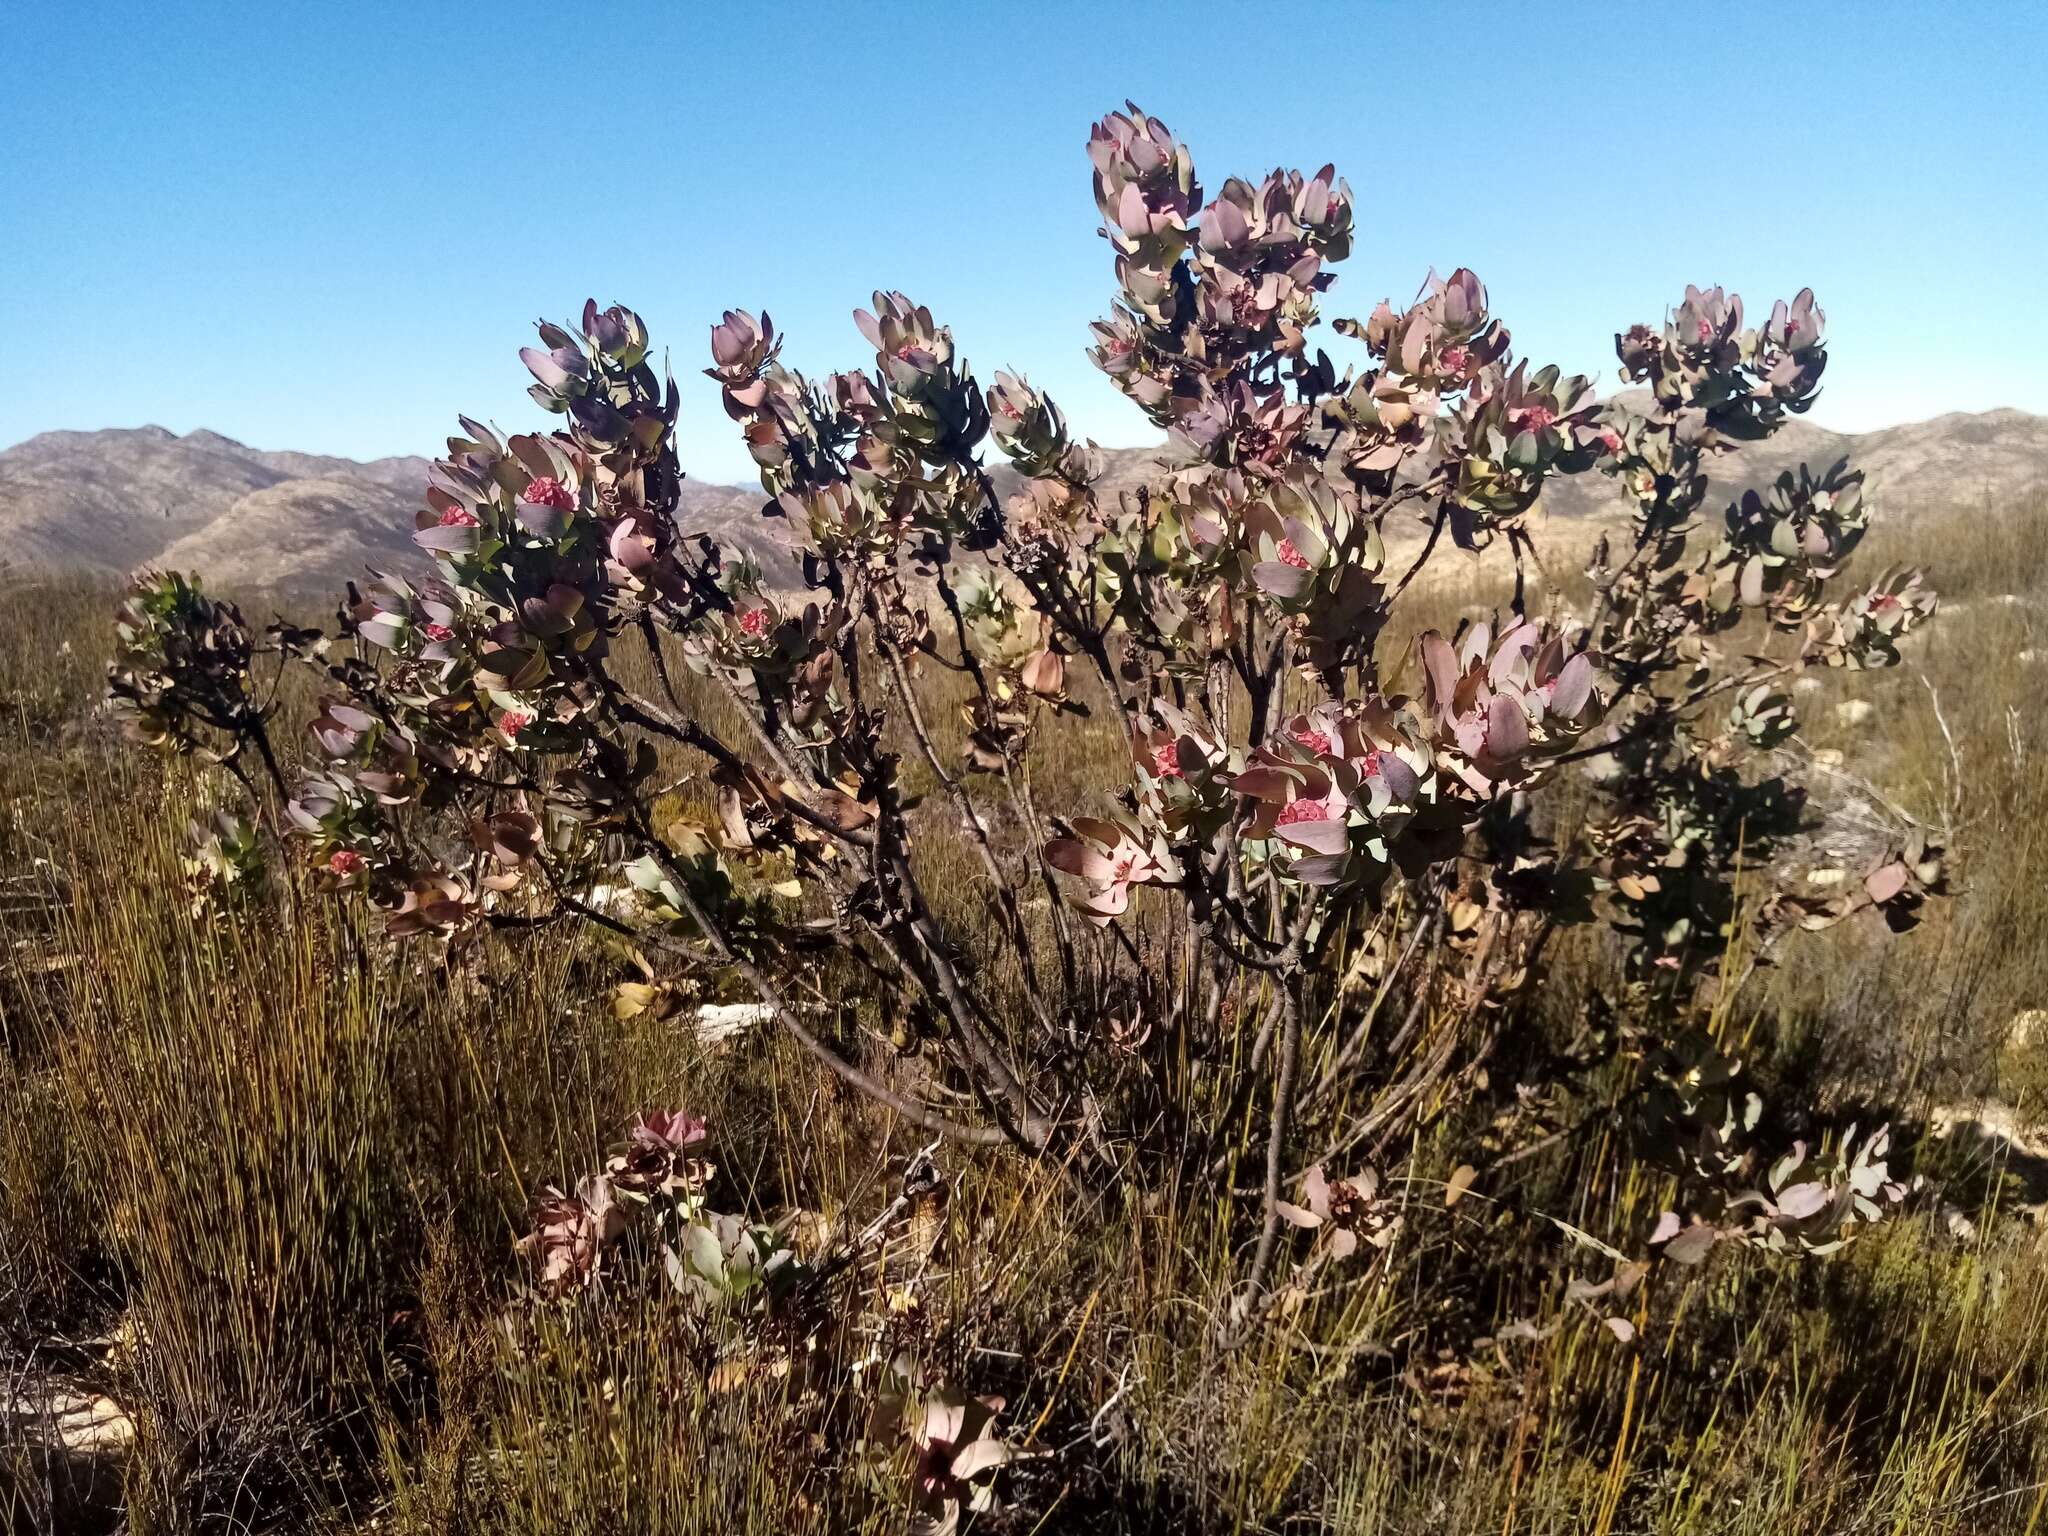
{"x": 1111, "y": 862}
{"x": 1289, "y": 555}
{"x": 1791, "y": 326}
{"x": 345, "y": 862}
{"x": 1369, "y": 764}
{"x": 1453, "y": 359}
{"x": 1117, "y": 346}
{"x": 513, "y": 721}
{"x": 1300, "y": 810}
{"x": 754, "y": 621}
{"x": 438, "y": 633}
{"x": 458, "y": 517}
{"x": 1166, "y": 762}
{"x": 547, "y": 491}
{"x": 1316, "y": 741}
{"x": 907, "y": 353}
{"x": 672, "y": 1127}
{"x": 1706, "y": 331}
{"x": 1611, "y": 440}
{"x": 1531, "y": 418}
{"x": 657, "y": 1154}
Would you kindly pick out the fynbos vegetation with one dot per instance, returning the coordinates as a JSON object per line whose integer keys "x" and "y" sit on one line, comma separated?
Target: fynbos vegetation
{"x": 1356, "y": 906}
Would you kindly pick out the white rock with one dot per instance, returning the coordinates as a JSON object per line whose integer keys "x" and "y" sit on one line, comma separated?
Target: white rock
{"x": 1991, "y": 1121}
{"x": 1828, "y": 757}
{"x": 2027, "y": 657}
{"x": 1854, "y": 711}
{"x": 1959, "y": 1225}
{"x": 1602, "y": 768}
{"x": 101, "y": 1426}
{"x": 720, "y": 1022}
{"x": 1826, "y": 876}
{"x": 2006, "y": 600}
{"x": 73, "y": 1422}
{"x": 2029, "y": 1027}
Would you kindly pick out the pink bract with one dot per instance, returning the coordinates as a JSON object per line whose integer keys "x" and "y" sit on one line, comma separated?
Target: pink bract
{"x": 546, "y": 491}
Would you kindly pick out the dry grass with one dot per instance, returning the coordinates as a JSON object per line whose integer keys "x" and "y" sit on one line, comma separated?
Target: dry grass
{"x": 262, "y": 1188}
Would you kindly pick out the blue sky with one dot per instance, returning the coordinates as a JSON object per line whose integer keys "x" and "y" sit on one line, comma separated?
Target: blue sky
{"x": 329, "y": 227}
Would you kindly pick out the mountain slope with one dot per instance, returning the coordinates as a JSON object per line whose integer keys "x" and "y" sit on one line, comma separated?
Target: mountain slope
{"x": 1954, "y": 460}
{"x": 108, "y": 502}
{"x": 300, "y": 534}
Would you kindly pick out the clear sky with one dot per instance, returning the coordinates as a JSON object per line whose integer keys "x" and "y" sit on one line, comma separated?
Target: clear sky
{"x": 328, "y": 227}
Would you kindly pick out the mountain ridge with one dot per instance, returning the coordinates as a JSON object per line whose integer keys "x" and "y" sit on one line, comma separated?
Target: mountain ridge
{"x": 109, "y": 501}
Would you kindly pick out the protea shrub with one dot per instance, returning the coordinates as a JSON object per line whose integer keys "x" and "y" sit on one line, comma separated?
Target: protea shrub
{"x": 502, "y": 739}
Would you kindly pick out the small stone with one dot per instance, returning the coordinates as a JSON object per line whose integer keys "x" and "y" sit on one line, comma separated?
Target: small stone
{"x": 1959, "y": 1226}
{"x": 1828, "y": 757}
{"x": 1808, "y": 685}
{"x": 1855, "y": 711}
{"x": 613, "y": 900}
{"x": 1602, "y": 768}
{"x": 2029, "y": 1027}
{"x": 719, "y": 1022}
{"x": 100, "y": 1427}
{"x": 76, "y": 1423}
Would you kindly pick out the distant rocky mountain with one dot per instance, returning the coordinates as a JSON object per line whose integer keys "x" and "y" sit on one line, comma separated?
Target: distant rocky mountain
{"x": 1955, "y": 460}
{"x": 108, "y": 502}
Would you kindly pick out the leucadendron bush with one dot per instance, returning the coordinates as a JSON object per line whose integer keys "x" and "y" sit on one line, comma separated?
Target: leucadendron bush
{"x": 1302, "y": 919}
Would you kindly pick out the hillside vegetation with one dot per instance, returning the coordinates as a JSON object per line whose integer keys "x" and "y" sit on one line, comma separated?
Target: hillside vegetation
{"x": 246, "y": 1200}
{"x": 111, "y": 501}
{"x": 1301, "y": 984}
